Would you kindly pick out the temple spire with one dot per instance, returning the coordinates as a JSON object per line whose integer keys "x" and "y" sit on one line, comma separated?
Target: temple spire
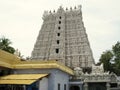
{"x": 63, "y": 38}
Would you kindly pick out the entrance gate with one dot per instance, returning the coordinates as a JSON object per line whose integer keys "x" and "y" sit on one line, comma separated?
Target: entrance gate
{"x": 74, "y": 88}
{"x": 97, "y": 86}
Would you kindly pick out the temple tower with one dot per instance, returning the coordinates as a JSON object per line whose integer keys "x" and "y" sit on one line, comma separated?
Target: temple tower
{"x": 63, "y": 37}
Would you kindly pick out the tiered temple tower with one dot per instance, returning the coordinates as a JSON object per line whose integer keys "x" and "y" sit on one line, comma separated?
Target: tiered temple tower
{"x": 63, "y": 37}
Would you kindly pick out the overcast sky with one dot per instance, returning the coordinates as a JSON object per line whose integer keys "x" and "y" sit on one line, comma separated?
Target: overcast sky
{"x": 21, "y": 20}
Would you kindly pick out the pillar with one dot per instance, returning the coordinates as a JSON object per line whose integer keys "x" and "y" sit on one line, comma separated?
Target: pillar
{"x": 81, "y": 86}
{"x": 108, "y": 86}
{"x": 24, "y": 87}
{"x": 86, "y": 86}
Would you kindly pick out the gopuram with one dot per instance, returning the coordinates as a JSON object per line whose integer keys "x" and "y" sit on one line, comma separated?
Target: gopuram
{"x": 63, "y": 38}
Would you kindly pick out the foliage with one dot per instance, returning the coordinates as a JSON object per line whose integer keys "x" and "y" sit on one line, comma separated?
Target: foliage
{"x": 106, "y": 58}
{"x": 116, "y": 50}
{"x": 111, "y": 59}
{"x": 5, "y": 45}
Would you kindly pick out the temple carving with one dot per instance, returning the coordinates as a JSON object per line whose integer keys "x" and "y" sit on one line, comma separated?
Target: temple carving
{"x": 63, "y": 37}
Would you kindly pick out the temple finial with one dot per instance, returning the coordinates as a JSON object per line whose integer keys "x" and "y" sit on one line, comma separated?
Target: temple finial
{"x": 70, "y": 8}
{"x": 66, "y": 8}
{"x": 75, "y": 7}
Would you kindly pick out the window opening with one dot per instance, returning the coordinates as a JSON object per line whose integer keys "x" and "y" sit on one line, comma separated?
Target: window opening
{"x": 59, "y": 27}
{"x": 64, "y": 86}
{"x": 58, "y": 34}
{"x": 58, "y": 41}
{"x": 58, "y": 86}
{"x": 59, "y": 22}
{"x": 60, "y": 17}
{"x": 57, "y": 50}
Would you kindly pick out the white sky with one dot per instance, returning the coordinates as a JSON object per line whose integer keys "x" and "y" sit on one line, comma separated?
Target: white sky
{"x": 21, "y": 20}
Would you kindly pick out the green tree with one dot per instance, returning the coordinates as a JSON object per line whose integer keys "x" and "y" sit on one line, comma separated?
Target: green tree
{"x": 111, "y": 59}
{"x": 116, "y": 50}
{"x": 106, "y": 58}
{"x": 5, "y": 45}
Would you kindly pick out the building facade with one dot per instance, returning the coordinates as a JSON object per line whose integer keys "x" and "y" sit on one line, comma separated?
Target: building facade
{"x": 33, "y": 75}
{"x": 63, "y": 37}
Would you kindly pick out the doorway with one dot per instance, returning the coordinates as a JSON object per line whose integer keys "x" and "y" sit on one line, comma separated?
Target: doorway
{"x": 97, "y": 86}
{"x": 74, "y": 88}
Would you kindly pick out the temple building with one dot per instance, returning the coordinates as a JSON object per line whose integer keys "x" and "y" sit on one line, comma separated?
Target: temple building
{"x": 60, "y": 55}
{"x": 18, "y": 74}
{"x": 32, "y": 75}
{"x": 63, "y": 37}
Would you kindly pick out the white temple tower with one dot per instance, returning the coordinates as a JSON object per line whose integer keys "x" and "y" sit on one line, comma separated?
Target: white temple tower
{"x": 63, "y": 37}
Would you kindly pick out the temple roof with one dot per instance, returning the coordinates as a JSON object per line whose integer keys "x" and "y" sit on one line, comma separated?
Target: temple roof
{"x": 11, "y": 61}
{"x": 21, "y": 78}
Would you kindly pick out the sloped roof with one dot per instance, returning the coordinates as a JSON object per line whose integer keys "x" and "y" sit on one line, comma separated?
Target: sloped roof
{"x": 21, "y": 78}
{"x": 11, "y": 61}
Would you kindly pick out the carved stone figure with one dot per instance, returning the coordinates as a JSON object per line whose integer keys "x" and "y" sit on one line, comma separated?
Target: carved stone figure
{"x": 97, "y": 69}
{"x": 78, "y": 71}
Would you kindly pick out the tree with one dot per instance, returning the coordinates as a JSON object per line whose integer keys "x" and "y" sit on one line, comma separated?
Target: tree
{"x": 111, "y": 59}
{"x": 106, "y": 59}
{"x": 5, "y": 45}
{"x": 116, "y": 50}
